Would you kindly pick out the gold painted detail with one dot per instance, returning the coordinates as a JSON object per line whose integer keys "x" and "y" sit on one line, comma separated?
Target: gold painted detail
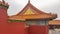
{"x": 29, "y": 11}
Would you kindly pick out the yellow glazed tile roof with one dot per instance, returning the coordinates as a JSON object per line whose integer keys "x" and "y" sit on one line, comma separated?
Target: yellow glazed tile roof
{"x": 54, "y": 22}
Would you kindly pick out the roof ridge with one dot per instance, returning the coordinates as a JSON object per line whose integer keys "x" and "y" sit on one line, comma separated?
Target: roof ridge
{"x": 30, "y": 5}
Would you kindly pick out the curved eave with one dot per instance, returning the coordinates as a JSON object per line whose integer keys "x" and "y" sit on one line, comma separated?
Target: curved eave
{"x": 54, "y": 22}
{"x": 34, "y": 16}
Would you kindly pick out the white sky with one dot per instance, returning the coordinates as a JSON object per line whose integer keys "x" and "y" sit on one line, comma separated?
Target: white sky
{"x": 49, "y": 6}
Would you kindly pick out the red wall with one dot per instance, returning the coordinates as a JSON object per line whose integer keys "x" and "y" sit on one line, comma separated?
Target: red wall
{"x": 35, "y": 29}
{"x": 3, "y": 15}
{"x": 3, "y": 21}
{"x": 16, "y": 28}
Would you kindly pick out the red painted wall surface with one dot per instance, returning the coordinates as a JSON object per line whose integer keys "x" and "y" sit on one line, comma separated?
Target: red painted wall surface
{"x": 3, "y": 15}
{"x": 3, "y": 21}
{"x": 34, "y": 29}
{"x": 16, "y": 28}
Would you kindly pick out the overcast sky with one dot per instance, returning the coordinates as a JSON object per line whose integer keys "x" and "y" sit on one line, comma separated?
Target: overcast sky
{"x": 49, "y": 6}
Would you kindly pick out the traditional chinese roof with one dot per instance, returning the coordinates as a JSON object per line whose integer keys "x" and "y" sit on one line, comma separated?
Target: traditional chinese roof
{"x": 54, "y": 22}
{"x": 31, "y": 12}
{"x": 29, "y": 9}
